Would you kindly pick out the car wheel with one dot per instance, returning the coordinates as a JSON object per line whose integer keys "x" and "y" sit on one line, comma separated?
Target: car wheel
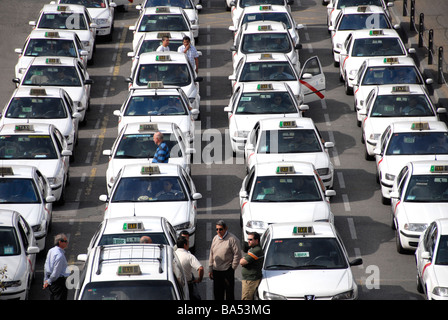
{"x": 348, "y": 89}
{"x": 419, "y": 285}
{"x": 400, "y": 248}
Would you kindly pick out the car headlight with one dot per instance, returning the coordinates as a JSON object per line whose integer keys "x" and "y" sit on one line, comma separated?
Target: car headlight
{"x": 352, "y": 73}
{"x": 272, "y": 296}
{"x": 182, "y": 226}
{"x": 241, "y": 134}
{"x": 37, "y": 228}
{"x": 416, "y": 227}
{"x": 22, "y": 70}
{"x": 54, "y": 180}
{"x": 440, "y": 291}
{"x": 323, "y": 171}
{"x": 86, "y": 44}
{"x": 193, "y": 22}
{"x": 339, "y": 45}
{"x": 253, "y": 224}
{"x": 348, "y": 295}
{"x": 11, "y": 284}
{"x": 389, "y": 176}
{"x": 192, "y": 100}
{"x": 101, "y": 21}
{"x": 374, "y": 136}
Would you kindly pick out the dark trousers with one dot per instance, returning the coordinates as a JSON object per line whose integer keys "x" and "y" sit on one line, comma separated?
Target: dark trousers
{"x": 58, "y": 289}
{"x": 224, "y": 284}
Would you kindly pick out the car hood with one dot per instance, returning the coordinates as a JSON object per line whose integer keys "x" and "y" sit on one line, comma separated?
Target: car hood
{"x": 394, "y": 163}
{"x": 318, "y": 159}
{"x": 246, "y": 122}
{"x": 48, "y": 167}
{"x": 424, "y": 212}
{"x": 30, "y": 212}
{"x": 14, "y": 265}
{"x": 99, "y": 13}
{"x": 116, "y": 164}
{"x": 380, "y": 123}
{"x": 441, "y": 273}
{"x": 64, "y": 125}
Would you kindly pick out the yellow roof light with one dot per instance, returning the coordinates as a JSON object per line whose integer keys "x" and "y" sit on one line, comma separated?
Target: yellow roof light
{"x": 162, "y": 9}
{"x": 265, "y": 56}
{"x": 24, "y": 127}
{"x": 38, "y": 92}
{"x": 264, "y": 86}
{"x": 133, "y": 226}
{"x": 151, "y": 169}
{"x": 52, "y": 34}
{"x": 52, "y": 60}
{"x": 165, "y": 57}
{"x": 288, "y": 124}
{"x": 376, "y": 32}
{"x": 155, "y": 85}
{"x": 420, "y": 126}
{"x": 63, "y": 8}
{"x": 400, "y": 89}
{"x": 391, "y": 60}
{"x": 438, "y": 169}
{"x": 302, "y": 231}
{"x": 265, "y": 7}
{"x": 148, "y": 127}
{"x": 265, "y": 28}
{"x": 362, "y": 9}
{"x": 164, "y": 34}
{"x": 6, "y": 171}
{"x": 285, "y": 169}
{"x": 129, "y": 270}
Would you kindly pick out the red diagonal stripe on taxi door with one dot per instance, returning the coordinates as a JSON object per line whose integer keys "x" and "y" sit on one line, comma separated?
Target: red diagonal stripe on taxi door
{"x": 306, "y": 84}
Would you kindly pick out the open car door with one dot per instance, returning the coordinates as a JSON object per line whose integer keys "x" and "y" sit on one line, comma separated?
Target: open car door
{"x": 312, "y": 79}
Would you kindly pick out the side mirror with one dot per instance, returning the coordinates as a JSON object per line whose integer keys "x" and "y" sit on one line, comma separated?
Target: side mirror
{"x": 228, "y": 109}
{"x": 232, "y": 48}
{"x": 411, "y": 50}
{"x": 328, "y": 145}
{"x": 88, "y": 81}
{"x": 441, "y": 110}
{"x": 243, "y": 194}
{"x": 299, "y": 26}
{"x": 304, "y": 107}
{"x": 131, "y": 54}
{"x": 429, "y": 81}
{"x": 82, "y": 257}
{"x": 32, "y": 250}
{"x": 117, "y": 113}
{"x": 231, "y": 77}
{"x": 394, "y": 195}
{"x": 232, "y": 28}
{"x": 66, "y": 153}
{"x": 298, "y": 46}
{"x": 426, "y": 255}
{"x": 107, "y": 152}
{"x": 377, "y": 151}
{"x": 198, "y": 79}
{"x": 103, "y": 197}
{"x": 306, "y": 76}
{"x": 83, "y": 53}
{"x": 356, "y": 262}
{"x": 50, "y": 199}
{"x": 32, "y": 23}
{"x": 76, "y": 115}
{"x": 330, "y": 193}
{"x": 250, "y": 146}
{"x": 196, "y": 196}
{"x": 18, "y": 51}
{"x": 194, "y": 111}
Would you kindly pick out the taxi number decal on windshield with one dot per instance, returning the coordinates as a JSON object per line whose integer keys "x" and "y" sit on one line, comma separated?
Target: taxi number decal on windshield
{"x": 301, "y": 254}
{"x": 314, "y": 90}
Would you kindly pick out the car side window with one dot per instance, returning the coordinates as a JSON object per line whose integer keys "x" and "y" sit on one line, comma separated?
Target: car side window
{"x": 250, "y": 180}
{"x": 401, "y": 178}
{"x": 58, "y": 139}
{"x": 24, "y": 231}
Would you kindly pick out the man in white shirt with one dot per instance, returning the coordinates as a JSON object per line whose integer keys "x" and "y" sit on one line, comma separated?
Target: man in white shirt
{"x": 191, "y": 52}
{"x": 164, "y": 46}
{"x": 189, "y": 263}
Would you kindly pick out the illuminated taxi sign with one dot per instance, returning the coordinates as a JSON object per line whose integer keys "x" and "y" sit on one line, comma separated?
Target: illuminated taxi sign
{"x": 155, "y": 85}
{"x": 400, "y": 89}
{"x": 62, "y": 8}
{"x": 24, "y": 127}
{"x": 133, "y": 226}
{"x": 285, "y": 169}
{"x": 264, "y": 86}
{"x": 163, "y": 34}
{"x": 438, "y": 169}
{"x": 265, "y": 7}
{"x": 391, "y": 60}
{"x": 165, "y": 57}
{"x": 52, "y": 60}
{"x": 162, "y": 9}
{"x": 420, "y": 126}
{"x": 265, "y": 28}
{"x": 129, "y": 270}
{"x": 6, "y": 171}
{"x": 287, "y": 124}
{"x": 38, "y": 92}
{"x": 265, "y": 56}
{"x": 152, "y": 169}
{"x": 52, "y": 34}
{"x": 302, "y": 231}
{"x": 362, "y": 9}
{"x": 376, "y": 32}
{"x": 148, "y": 127}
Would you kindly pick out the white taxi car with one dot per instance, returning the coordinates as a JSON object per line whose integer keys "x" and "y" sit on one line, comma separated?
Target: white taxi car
{"x": 307, "y": 86}
{"x": 172, "y": 69}
{"x": 162, "y": 189}
{"x": 44, "y": 105}
{"x": 289, "y": 139}
{"x": 356, "y": 18}
{"x": 407, "y": 141}
{"x": 382, "y": 71}
{"x": 419, "y": 196}
{"x": 236, "y": 7}
{"x": 26, "y": 190}
{"x": 39, "y": 145}
{"x": 125, "y": 230}
{"x": 365, "y": 44}
{"x": 282, "y": 192}
{"x": 17, "y": 254}
{"x": 49, "y": 43}
{"x": 135, "y": 144}
{"x": 254, "y": 101}
{"x": 61, "y": 72}
{"x": 265, "y": 37}
{"x": 72, "y": 17}
{"x": 132, "y": 272}
{"x": 102, "y": 13}
{"x": 269, "y": 12}
{"x": 190, "y": 8}
{"x": 431, "y": 259}
{"x": 163, "y": 19}
{"x": 390, "y": 103}
{"x": 306, "y": 261}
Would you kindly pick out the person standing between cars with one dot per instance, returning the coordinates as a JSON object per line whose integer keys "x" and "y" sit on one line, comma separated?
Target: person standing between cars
{"x": 162, "y": 153}
{"x": 164, "y": 46}
{"x": 191, "y": 52}
{"x": 252, "y": 264}
{"x": 189, "y": 263}
{"x": 55, "y": 269}
{"x": 225, "y": 255}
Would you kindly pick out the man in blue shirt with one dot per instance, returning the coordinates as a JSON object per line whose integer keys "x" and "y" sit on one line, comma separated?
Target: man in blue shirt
{"x": 55, "y": 269}
{"x": 162, "y": 152}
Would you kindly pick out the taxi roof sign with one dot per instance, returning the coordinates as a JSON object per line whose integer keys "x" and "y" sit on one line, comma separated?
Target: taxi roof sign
{"x": 265, "y": 7}
{"x": 265, "y": 56}
{"x": 52, "y": 34}
{"x": 129, "y": 270}
{"x": 438, "y": 169}
{"x": 420, "y": 126}
{"x": 163, "y": 57}
{"x": 285, "y": 169}
{"x": 52, "y": 60}
{"x": 62, "y": 8}
{"x": 265, "y": 28}
{"x": 264, "y": 86}
{"x": 288, "y": 124}
{"x": 24, "y": 127}
{"x": 151, "y": 169}
{"x": 148, "y": 127}
{"x": 133, "y": 226}
{"x": 299, "y": 231}
{"x": 400, "y": 89}
{"x": 6, "y": 171}
{"x": 155, "y": 85}
{"x": 362, "y": 9}
{"x": 391, "y": 60}
{"x": 164, "y": 34}
{"x": 162, "y": 9}
{"x": 38, "y": 92}
{"x": 376, "y": 32}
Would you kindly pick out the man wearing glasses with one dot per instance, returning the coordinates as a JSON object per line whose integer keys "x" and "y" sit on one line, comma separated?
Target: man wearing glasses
{"x": 225, "y": 255}
{"x": 55, "y": 269}
{"x": 252, "y": 263}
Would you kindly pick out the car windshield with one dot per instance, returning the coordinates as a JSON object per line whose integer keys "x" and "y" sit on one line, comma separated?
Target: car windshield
{"x": 267, "y": 71}
{"x": 289, "y": 141}
{"x": 266, "y": 42}
{"x": 149, "y": 189}
{"x": 142, "y": 146}
{"x": 163, "y": 22}
{"x": 152, "y": 45}
{"x": 86, "y": 3}
{"x": 406, "y": 105}
{"x": 427, "y": 188}
{"x": 391, "y": 75}
{"x": 172, "y": 74}
{"x": 303, "y": 253}
{"x": 184, "y": 4}
{"x": 36, "y": 108}
{"x": 27, "y": 147}
{"x": 363, "y": 21}
{"x": 265, "y": 103}
{"x": 418, "y": 143}
{"x": 442, "y": 251}
{"x": 9, "y": 243}
{"x": 63, "y": 21}
{"x": 129, "y": 290}
{"x": 354, "y": 3}
{"x": 14, "y": 190}
{"x": 291, "y": 188}
{"x": 377, "y": 47}
{"x": 132, "y": 237}
{"x": 156, "y": 105}
{"x": 52, "y": 75}
{"x": 247, "y": 3}
{"x": 50, "y": 47}
{"x": 267, "y": 16}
